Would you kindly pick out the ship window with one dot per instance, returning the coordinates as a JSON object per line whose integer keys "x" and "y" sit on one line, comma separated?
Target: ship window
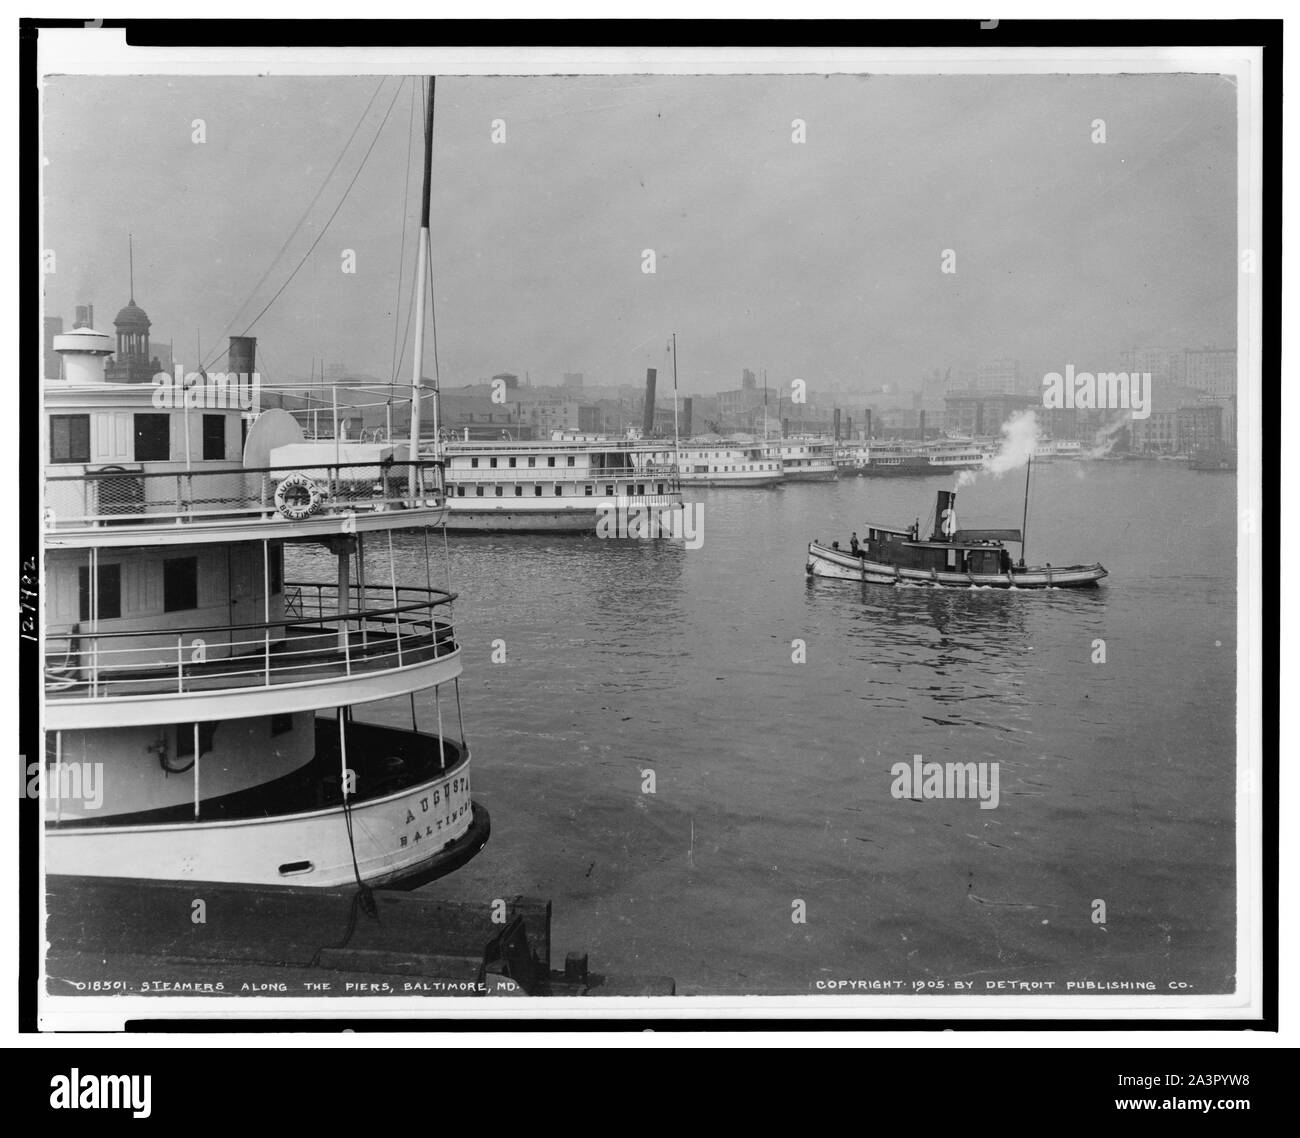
{"x": 514, "y": 461}
{"x": 185, "y": 738}
{"x": 558, "y": 490}
{"x": 180, "y": 584}
{"x": 640, "y": 488}
{"x": 460, "y": 491}
{"x": 474, "y": 463}
{"x": 110, "y": 592}
{"x": 659, "y": 488}
{"x": 570, "y": 460}
{"x": 519, "y": 491}
{"x": 532, "y": 462}
{"x": 69, "y": 438}
{"x": 550, "y": 460}
{"x": 281, "y": 724}
{"x": 478, "y": 491}
{"x": 214, "y": 436}
{"x": 499, "y": 491}
{"x": 588, "y": 489}
{"x": 153, "y": 438}
{"x": 275, "y": 565}
{"x": 492, "y": 462}
{"x": 609, "y": 490}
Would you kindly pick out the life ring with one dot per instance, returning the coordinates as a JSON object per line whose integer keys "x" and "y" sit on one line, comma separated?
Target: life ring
{"x": 297, "y": 497}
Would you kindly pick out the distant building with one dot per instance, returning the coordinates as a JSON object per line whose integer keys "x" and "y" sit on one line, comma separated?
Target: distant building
{"x": 133, "y": 362}
{"x": 1166, "y": 365}
{"x": 511, "y": 381}
{"x": 1212, "y": 370}
{"x": 1199, "y": 427}
{"x": 573, "y": 379}
{"x": 975, "y": 414}
{"x": 547, "y": 415}
{"x": 998, "y": 377}
{"x": 1156, "y": 434}
{"x": 748, "y": 380}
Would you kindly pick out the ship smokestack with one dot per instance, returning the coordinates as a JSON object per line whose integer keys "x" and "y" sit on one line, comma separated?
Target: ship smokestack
{"x": 868, "y": 422}
{"x": 648, "y": 419}
{"x": 242, "y": 356}
{"x": 688, "y": 408}
{"x": 837, "y": 424}
{"x": 922, "y": 417}
{"x": 945, "y": 516}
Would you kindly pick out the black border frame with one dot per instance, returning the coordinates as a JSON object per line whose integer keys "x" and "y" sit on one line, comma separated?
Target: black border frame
{"x": 1266, "y": 34}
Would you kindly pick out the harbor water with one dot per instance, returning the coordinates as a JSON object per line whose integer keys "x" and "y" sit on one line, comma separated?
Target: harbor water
{"x": 689, "y": 750}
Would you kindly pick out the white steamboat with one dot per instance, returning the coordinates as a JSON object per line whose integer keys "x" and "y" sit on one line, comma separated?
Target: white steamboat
{"x": 204, "y": 714}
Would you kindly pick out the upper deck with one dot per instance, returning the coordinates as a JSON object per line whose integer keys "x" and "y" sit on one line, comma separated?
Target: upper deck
{"x": 126, "y": 467}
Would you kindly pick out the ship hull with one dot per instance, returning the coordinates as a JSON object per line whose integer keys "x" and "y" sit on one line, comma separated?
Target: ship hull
{"x": 401, "y": 840}
{"x": 572, "y": 519}
{"x": 757, "y": 481}
{"x": 811, "y": 475}
{"x": 920, "y": 470}
{"x": 835, "y": 564}
{"x": 502, "y": 521}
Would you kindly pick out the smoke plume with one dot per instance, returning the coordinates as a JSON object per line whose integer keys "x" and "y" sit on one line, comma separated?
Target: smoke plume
{"x": 1019, "y": 438}
{"x": 1105, "y": 439}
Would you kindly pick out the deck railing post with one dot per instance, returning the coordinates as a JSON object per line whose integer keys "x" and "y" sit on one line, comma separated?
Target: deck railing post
{"x": 442, "y": 753}
{"x": 392, "y": 579}
{"x": 180, "y": 665}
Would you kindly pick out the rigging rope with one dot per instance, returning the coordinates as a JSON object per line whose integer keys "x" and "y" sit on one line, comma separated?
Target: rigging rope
{"x": 306, "y": 213}
{"x": 332, "y": 216}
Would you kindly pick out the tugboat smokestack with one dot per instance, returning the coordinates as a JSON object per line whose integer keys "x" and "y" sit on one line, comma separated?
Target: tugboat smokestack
{"x": 945, "y": 516}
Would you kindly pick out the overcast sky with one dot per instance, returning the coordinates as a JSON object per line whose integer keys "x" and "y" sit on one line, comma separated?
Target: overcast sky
{"x": 818, "y": 260}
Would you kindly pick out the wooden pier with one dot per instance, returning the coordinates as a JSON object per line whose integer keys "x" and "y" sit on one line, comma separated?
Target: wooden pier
{"x": 126, "y": 936}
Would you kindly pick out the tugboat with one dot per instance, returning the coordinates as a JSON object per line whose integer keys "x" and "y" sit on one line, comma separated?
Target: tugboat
{"x": 950, "y": 557}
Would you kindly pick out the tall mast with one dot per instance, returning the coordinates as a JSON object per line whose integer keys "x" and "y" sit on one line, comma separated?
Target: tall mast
{"x": 1024, "y": 521}
{"x": 422, "y": 268}
{"x": 677, "y": 450}
{"x": 130, "y": 253}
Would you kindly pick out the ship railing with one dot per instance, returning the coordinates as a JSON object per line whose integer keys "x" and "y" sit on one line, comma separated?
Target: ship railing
{"x": 544, "y": 474}
{"x": 309, "y": 640}
{"x": 119, "y": 496}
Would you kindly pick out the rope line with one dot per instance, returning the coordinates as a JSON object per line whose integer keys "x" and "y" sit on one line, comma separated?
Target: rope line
{"x": 301, "y": 221}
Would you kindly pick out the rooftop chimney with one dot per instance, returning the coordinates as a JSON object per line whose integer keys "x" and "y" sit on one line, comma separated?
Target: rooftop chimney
{"x": 648, "y": 419}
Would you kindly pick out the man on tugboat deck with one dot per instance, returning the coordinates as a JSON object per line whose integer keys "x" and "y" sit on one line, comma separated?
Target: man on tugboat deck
{"x": 853, "y": 544}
